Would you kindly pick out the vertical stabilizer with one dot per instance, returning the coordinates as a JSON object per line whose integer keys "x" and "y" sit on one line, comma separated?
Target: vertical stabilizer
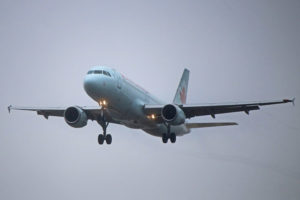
{"x": 181, "y": 93}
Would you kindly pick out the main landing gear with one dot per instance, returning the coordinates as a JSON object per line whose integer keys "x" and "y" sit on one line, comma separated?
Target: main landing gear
{"x": 104, "y": 137}
{"x": 169, "y": 135}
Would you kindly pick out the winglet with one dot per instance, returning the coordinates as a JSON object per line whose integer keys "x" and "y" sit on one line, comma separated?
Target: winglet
{"x": 9, "y": 107}
{"x": 293, "y": 101}
{"x": 289, "y": 100}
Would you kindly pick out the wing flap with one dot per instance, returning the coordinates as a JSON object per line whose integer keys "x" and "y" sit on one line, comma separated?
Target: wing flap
{"x": 192, "y": 111}
{"x": 45, "y": 111}
{"x": 212, "y": 109}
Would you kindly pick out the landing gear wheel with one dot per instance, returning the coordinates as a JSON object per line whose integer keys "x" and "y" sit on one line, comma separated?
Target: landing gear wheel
{"x": 103, "y": 123}
{"x": 100, "y": 139}
{"x": 164, "y": 138}
{"x": 108, "y": 139}
{"x": 173, "y": 137}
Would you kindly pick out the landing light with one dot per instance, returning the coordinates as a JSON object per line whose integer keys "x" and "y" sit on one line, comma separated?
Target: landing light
{"x": 152, "y": 116}
{"x": 103, "y": 103}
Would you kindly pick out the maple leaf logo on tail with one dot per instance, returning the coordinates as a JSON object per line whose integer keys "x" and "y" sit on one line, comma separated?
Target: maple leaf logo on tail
{"x": 183, "y": 95}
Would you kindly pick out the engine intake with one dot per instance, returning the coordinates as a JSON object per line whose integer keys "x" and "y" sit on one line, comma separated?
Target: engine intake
{"x": 75, "y": 117}
{"x": 173, "y": 114}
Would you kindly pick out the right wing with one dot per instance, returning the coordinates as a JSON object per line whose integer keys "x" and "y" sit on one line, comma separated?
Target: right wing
{"x": 92, "y": 112}
{"x": 191, "y": 110}
{"x": 213, "y": 109}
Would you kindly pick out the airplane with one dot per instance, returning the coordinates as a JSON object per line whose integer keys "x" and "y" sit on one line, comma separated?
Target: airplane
{"x": 121, "y": 101}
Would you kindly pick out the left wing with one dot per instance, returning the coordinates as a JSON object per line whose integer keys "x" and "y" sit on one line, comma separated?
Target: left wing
{"x": 213, "y": 109}
{"x": 92, "y": 112}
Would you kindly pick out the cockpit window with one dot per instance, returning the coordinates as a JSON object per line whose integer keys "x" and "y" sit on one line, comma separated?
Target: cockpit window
{"x": 106, "y": 73}
{"x": 98, "y": 72}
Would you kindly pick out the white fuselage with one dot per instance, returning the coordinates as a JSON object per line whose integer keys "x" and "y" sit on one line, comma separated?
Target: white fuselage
{"x": 125, "y": 100}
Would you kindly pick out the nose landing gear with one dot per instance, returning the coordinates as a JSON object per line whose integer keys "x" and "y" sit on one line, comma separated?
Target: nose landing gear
{"x": 103, "y": 137}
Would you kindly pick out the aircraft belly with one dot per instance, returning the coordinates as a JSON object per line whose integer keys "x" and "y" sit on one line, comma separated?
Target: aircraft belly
{"x": 161, "y": 129}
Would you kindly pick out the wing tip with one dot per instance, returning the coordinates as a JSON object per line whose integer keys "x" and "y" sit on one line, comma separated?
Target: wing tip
{"x": 9, "y": 108}
{"x": 290, "y": 101}
{"x": 186, "y": 70}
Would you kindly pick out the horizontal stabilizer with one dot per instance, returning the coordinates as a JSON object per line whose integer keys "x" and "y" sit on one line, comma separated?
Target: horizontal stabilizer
{"x": 204, "y": 125}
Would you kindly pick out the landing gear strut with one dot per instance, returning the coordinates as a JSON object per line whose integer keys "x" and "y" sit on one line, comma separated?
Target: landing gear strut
{"x": 169, "y": 135}
{"x": 104, "y": 137}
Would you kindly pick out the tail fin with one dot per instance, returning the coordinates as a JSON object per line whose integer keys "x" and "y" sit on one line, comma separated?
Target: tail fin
{"x": 181, "y": 93}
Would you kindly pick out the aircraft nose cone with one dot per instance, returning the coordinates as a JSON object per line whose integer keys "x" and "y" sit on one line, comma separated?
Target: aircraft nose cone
{"x": 98, "y": 86}
{"x": 90, "y": 85}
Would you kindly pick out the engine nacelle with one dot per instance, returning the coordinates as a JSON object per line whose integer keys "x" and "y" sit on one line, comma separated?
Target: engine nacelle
{"x": 75, "y": 117}
{"x": 172, "y": 114}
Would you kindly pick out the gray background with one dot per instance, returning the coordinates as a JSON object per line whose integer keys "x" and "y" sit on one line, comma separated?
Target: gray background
{"x": 236, "y": 51}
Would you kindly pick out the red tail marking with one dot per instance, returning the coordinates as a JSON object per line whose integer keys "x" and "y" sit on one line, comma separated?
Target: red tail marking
{"x": 183, "y": 95}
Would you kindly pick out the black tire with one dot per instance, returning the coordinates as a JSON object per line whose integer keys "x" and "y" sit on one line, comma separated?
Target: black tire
{"x": 108, "y": 139}
{"x": 164, "y": 138}
{"x": 173, "y": 137}
{"x": 101, "y": 139}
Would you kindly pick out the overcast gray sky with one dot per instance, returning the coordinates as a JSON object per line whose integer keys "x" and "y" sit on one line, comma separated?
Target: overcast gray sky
{"x": 236, "y": 51}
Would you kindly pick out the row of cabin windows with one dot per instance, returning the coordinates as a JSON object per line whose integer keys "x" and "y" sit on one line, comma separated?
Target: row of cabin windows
{"x": 99, "y": 72}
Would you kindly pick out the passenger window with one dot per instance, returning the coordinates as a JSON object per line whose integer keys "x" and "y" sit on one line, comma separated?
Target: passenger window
{"x": 98, "y": 72}
{"x": 90, "y": 72}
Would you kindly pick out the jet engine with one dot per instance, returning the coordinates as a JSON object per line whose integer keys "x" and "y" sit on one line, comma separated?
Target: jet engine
{"x": 75, "y": 117}
{"x": 172, "y": 114}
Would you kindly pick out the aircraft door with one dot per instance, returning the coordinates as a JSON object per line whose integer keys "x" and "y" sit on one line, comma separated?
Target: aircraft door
{"x": 119, "y": 82}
